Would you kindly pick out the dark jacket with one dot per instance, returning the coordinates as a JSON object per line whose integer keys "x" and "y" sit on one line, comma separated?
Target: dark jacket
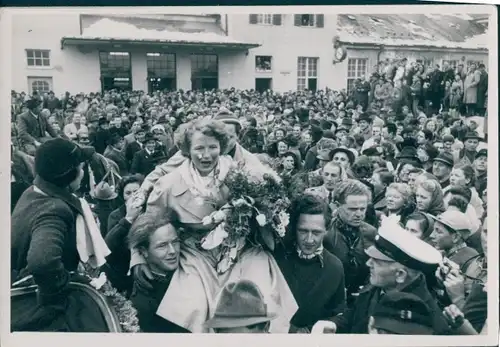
{"x": 482, "y": 88}
{"x": 348, "y": 244}
{"x": 146, "y": 303}
{"x": 144, "y": 163}
{"x": 131, "y": 149}
{"x": 119, "y": 158}
{"x": 99, "y": 140}
{"x": 311, "y": 160}
{"x": 30, "y": 128}
{"x": 316, "y": 284}
{"x": 119, "y": 260}
{"x": 355, "y": 319}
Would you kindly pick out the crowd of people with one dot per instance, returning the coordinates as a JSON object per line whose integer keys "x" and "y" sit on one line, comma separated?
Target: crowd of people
{"x": 388, "y": 217}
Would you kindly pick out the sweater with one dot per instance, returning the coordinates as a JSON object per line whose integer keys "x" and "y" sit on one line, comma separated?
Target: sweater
{"x": 317, "y": 286}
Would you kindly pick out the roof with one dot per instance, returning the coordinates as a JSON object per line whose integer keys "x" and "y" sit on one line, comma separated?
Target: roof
{"x": 107, "y": 29}
{"x": 430, "y": 30}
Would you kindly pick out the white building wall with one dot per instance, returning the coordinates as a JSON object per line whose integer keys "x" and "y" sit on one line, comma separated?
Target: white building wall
{"x": 285, "y": 43}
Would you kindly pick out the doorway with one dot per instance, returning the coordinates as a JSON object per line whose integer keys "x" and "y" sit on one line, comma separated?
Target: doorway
{"x": 263, "y": 84}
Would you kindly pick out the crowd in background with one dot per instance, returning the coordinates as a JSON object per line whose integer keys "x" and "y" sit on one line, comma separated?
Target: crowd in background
{"x": 402, "y": 143}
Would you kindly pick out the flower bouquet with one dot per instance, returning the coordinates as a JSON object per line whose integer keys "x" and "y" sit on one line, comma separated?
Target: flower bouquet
{"x": 256, "y": 213}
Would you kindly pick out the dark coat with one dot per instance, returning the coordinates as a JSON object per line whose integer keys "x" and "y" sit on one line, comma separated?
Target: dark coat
{"x": 99, "y": 140}
{"x": 351, "y": 253}
{"x": 311, "y": 160}
{"x": 119, "y": 158}
{"x": 146, "y": 303}
{"x": 43, "y": 244}
{"x": 119, "y": 260}
{"x": 482, "y": 88}
{"x": 30, "y": 128}
{"x": 144, "y": 163}
{"x": 361, "y": 93}
{"x": 355, "y": 319}
{"x": 317, "y": 286}
{"x": 131, "y": 149}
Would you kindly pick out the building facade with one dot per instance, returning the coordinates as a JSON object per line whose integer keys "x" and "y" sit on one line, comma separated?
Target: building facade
{"x": 283, "y": 52}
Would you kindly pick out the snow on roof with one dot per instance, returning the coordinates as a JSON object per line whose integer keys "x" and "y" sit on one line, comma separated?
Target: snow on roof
{"x": 110, "y": 29}
{"x": 431, "y": 30}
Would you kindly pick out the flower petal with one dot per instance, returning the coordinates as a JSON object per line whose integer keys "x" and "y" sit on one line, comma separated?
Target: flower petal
{"x": 215, "y": 237}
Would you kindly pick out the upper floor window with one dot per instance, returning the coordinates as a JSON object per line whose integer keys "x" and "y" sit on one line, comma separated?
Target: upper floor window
{"x": 38, "y": 57}
{"x": 475, "y": 62}
{"x": 263, "y": 63}
{"x": 265, "y": 19}
{"x": 309, "y": 20}
{"x": 451, "y": 63}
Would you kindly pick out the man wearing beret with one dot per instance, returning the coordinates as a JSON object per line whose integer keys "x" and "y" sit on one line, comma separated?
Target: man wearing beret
{"x": 398, "y": 262}
{"x": 441, "y": 168}
{"x": 467, "y": 155}
{"x": 32, "y": 126}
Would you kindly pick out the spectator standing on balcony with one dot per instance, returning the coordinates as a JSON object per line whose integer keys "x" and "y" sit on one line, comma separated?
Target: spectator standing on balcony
{"x": 470, "y": 90}
{"x": 482, "y": 90}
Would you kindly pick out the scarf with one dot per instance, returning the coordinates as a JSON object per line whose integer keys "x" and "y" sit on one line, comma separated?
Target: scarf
{"x": 90, "y": 244}
{"x": 351, "y": 233}
{"x": 206, "y": 186}
{"x": 317, "y": 253}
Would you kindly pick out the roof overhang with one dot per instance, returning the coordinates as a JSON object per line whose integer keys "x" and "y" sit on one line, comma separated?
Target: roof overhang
{"x": 409, "y": 47}
{"x": 106, "y": 42}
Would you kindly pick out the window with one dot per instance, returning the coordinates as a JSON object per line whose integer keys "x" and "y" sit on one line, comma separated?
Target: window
{"x": 38, "y": 57}
{"x": 425, "y": 62}
{"x": 204, "y": 71}
{"x": 265, "y": 19}
{"x": 40, "y": 84}
{"x": 356, "y": 68}
{"x": 452, "y": 63}
{"x": 161, "y": 71}
{"x": 476, "y": 62}
{"x": 116, "y": 71}
{"x": 263, "y": 63}
{"x": 307, "y": 73}
{"x": 309, "y": 20}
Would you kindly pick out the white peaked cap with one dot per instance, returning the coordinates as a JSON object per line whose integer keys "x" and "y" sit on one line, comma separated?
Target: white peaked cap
{"x": 399, "y": 245}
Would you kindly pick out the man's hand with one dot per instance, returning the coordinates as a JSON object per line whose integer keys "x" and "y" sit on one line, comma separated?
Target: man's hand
{"x": 454, "y": 284}
{"x": 324, "y": 327}
{"x": 142, "y": 274}
{"x": 134, "y": 209}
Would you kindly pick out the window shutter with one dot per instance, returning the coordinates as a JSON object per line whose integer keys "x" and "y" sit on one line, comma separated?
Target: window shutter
{"x": 297, "y": 20}
{"x": 276, "y": 19}
{"x": 320, "y": 20}
{"x": 253, "y": 19}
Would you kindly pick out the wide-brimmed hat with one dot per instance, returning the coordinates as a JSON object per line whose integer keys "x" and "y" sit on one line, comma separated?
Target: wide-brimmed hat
{"x": 103, "y": 191}
{"x": 445, "y": 158}
{"x": 347, "y": 121}
{"x": 345, "y": 150}
{"x": 240, "y": 304}
{"x": 409, "y": 153}
{"x": 148, "y": 137}
{"x": 472, "y": 135}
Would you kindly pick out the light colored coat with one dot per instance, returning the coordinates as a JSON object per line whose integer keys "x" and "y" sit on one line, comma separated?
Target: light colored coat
{"x": 470, "y": 87}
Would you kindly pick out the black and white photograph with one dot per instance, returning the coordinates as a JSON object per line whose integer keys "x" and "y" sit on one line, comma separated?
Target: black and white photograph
{"x": 312, "y": 171}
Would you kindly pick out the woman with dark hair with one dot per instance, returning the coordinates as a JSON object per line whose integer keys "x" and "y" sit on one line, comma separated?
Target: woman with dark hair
{"x": 420, "y": 225}
{"x": 119, "y": 223}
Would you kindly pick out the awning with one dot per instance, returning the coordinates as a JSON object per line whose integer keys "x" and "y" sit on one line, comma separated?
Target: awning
{"x": 107, "y": 31}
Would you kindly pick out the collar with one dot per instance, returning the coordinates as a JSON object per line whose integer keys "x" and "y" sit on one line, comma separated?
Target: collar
{"x": 147, "y": 151}
{"x": 454, "y": 250}
{"x": 317, "y": 254}
{"x": 58, "y": 192}
{"x": 34, "y": 115}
